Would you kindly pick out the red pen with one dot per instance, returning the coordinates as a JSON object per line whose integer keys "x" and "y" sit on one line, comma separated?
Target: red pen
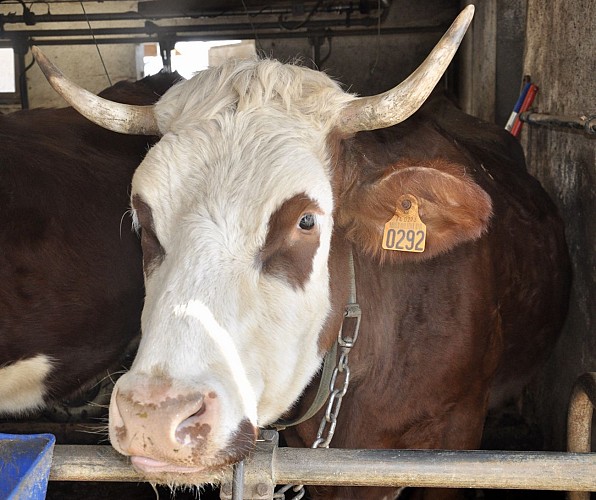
{"x": 517, "y": 107}
{"x": 532, "y": 91}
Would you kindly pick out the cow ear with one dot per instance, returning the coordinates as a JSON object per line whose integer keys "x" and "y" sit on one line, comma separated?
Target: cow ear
{"x": 453, "y": 207}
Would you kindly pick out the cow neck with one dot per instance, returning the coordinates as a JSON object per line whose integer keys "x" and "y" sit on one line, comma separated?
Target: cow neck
{"x": 331, "y": 366}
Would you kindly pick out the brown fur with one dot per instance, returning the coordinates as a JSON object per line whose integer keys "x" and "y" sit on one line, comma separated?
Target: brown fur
{"x": 451, "y": 205}
{"x": 446, "y": 334}
{"x": 153, "y": 252}
{"x": 288, "y": 251}
{"x": 71, "y": 284}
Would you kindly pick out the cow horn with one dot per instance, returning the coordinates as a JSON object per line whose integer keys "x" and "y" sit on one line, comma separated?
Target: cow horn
{"x": 399, "y": 103}
{"x": 115, "y": 116}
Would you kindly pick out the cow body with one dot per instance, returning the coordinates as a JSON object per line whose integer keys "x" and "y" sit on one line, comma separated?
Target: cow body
{"x": 71, "y": 284}
{"x": 263, "y": 183}
{"x": 444, "y": 340}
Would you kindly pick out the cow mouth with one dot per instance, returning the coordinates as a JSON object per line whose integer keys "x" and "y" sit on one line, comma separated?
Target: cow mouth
{"x": 148, "y": 465}
{"x": 183, "y": 469}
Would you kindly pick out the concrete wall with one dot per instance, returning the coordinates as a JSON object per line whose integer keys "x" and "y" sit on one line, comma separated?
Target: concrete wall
{"x": 244, "y": 50}
{"x": 81, "y": 63}
{"x": 492, "y": 59}
{"x": 372, "y": 64}
{"x": 560, "y": 57}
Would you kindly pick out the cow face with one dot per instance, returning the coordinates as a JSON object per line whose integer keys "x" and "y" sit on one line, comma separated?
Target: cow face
{"x": 235, "y": 214}
{"x": 236, "y": 208}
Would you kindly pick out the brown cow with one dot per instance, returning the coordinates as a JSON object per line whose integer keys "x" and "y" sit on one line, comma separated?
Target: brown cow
{"x": 266, "y": 178}
{"x": 71, "y": 282}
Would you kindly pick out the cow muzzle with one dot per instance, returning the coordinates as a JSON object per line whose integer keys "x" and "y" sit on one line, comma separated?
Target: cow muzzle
{"x": 167, "y": 428}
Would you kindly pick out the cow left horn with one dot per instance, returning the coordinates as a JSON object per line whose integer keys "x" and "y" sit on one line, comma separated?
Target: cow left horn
{"x": 115, "y": 116}
{"x": 399, "y": 103}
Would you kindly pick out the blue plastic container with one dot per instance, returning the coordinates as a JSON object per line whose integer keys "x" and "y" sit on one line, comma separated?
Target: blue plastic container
{"x": 25, "y": 462}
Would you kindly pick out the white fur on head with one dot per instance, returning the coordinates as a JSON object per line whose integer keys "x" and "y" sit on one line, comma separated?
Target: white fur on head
{"x": 238, "y": 141}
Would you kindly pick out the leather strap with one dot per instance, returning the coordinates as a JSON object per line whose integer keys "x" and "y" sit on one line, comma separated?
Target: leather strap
{"x": 330, "y": 360}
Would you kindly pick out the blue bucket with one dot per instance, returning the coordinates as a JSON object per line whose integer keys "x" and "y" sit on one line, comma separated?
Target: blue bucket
{"x": 25, "y": 462}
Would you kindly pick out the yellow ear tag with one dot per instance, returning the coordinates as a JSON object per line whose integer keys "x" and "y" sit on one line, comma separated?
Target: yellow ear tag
{"x": 405, "y": 232}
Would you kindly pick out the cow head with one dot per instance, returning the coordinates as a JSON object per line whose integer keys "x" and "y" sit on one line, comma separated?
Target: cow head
{"x": 238, "y": 208}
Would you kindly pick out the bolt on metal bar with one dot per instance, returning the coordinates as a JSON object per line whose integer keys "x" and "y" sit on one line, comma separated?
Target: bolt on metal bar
{"x": 584, "y": 122}
{"x": 336, "y": 467}
{"x": 579, "y": 421}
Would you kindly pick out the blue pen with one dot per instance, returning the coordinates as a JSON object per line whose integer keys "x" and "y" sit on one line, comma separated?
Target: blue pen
{"x": 517, "y": 106}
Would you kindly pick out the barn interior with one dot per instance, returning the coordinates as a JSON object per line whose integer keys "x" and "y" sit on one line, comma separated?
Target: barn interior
{"x": 368, "y": 46}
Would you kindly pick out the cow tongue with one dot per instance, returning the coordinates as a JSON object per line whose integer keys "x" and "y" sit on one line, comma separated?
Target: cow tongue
{"x": 148, "y": 465}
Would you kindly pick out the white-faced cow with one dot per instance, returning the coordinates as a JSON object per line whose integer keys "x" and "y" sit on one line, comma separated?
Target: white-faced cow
{"x": 71, "y": 282}
{"x": 267, "y": 176}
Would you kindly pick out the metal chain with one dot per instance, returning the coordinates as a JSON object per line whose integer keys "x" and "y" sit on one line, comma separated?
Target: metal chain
{"x": 340, "y": 380}
{"x": 329, "y": 421}
{"x": 296, "y": 488}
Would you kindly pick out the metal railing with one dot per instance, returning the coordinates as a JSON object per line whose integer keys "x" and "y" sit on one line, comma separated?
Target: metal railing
{"x": 270, "y": 465}
{"x": 587, "y": 123}
{"x": 573, "y": 471}
{"x": 579, "y": 421}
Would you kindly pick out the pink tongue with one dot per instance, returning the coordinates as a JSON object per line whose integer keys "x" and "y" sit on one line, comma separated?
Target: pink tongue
{"x": 146, "y": 464}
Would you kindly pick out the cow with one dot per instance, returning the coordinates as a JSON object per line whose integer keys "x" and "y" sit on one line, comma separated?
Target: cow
{"x": 266, "y": 179}
{"x": 71, "y": 280}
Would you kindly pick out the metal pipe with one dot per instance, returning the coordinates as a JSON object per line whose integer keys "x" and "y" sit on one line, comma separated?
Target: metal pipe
{"x": 583, "y": 122}
{"x": 434, "y": 468}
{"x": 20, "y": 50}
{"x": 417, "y": 468}
{"x": 238, "y": 481}
{"x": 248, "y": 35}
{"x": 152, "y": 28}
{"x": 579, "y": 421}
{"x": 140, "y": 16}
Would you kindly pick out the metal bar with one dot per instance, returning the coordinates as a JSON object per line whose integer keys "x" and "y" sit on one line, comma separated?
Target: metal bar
{"x": 140, "y": 16}
{"x": 418, "y": 468}
{"x": 230, "y": 30}
{"x": 249, "y": 35}
{"x": 152, "y": 28}
{"x": 91, "y": 463}
{"x": 581, "y": 409}
{"x": 238, "y": 481}
{"x": 583, "y": 122}
{"x": 579, "y": 420}
{"x": 433, "y": 468}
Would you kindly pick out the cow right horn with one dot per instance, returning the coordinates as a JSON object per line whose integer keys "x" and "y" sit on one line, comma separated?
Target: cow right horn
{"x": 399, "y": 103}
{"x": 115, "y": 116}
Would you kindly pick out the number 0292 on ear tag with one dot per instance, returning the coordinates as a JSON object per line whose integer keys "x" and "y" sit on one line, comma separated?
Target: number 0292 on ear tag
{"x": 405, "y": 232}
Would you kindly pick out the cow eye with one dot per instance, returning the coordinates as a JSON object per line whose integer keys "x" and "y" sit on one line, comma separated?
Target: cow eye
{"x": 307, "y": 222}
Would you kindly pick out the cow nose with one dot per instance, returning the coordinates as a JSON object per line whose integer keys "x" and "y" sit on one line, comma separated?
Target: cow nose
{"x": 148, "y": 423}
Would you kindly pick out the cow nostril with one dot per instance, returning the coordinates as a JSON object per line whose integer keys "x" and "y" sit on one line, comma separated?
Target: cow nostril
{"x": 194, "y": 430}
{"x": 200, "y": 411}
